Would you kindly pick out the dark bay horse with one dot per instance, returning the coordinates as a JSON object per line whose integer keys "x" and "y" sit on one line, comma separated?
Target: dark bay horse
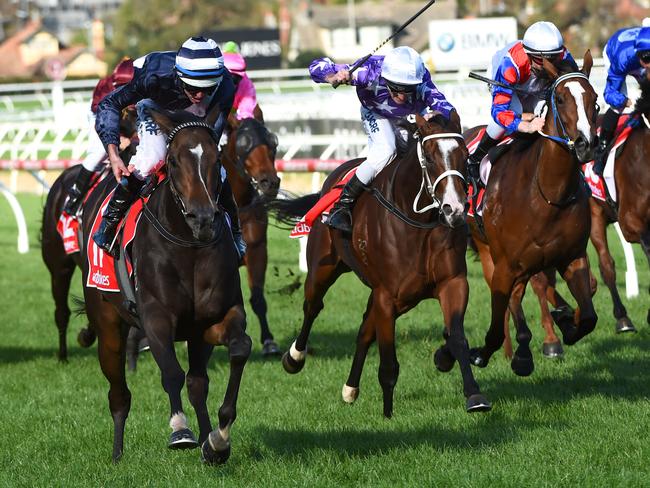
{"x": 536, "y": 215}
{"x": 249, "y": 160}
{"x": 404, "y": 255}
{"x": 187, "y": 288}
{"x": 60, "y": 264}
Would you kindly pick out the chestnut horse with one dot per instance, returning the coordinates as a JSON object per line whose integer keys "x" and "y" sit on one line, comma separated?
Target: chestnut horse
{"x": 60, "y": 264}
{"x": 405, "y": 250}
{"x": 187, "y": 288}
{"x": 536, "y": 214}
{"x": 249, "y": 160}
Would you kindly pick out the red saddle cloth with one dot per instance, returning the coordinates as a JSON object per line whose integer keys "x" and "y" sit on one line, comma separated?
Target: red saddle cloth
{"x": 323, "y": 206}
{"x": 101, "y": 266}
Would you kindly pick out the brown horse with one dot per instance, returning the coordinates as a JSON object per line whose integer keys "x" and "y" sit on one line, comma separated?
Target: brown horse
{"x": 405, "y": 251}
{"x": 536, "y": 215}
{"x": 249, "y": 158}
{"x": 60, "y": 264}
{"x": 187, "y": 288}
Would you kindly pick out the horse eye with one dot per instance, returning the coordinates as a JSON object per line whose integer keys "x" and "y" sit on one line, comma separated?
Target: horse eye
{"x": 273, "y": 140}
{"x": 560, "y": 100}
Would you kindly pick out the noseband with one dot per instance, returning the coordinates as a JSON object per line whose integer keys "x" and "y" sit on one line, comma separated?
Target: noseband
{"x": 426, "y": 180}
{"x": 563, "y": 138}
{"x": 256, "y": 135}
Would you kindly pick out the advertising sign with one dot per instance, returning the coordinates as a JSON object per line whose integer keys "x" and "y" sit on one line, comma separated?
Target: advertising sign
{"x": 469, "y": 43}
{"x": 260, "y": 47}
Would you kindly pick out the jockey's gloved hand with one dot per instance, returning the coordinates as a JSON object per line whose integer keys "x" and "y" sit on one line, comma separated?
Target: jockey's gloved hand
{"x": 473, "y": 172}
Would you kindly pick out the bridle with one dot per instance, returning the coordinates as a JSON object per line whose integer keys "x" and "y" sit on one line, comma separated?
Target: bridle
{"x": 426, "y": 179}
{"x": 257, "y": 136}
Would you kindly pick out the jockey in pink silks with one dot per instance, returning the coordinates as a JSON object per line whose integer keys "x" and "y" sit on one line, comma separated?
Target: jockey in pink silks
{"x": 245, "y": 96}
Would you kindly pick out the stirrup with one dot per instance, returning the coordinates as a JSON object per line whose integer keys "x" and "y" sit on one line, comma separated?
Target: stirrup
{"x": 344, "y": 217}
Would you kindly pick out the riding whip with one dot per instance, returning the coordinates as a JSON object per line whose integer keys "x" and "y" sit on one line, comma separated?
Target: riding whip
{"x": 499, "y": 84}
{"x": 356, "y": 65}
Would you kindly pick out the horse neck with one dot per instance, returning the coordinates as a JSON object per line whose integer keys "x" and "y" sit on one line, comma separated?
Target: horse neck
{"x": 556, "y": 171}
{"x": 239, "y": 181}
{"x": 401, "y": 181}
{"x": 163, "y": 205}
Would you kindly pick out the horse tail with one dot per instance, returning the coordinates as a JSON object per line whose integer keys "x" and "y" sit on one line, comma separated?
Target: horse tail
{"x": 291, "y": 210}
{"x": 78, "y": 306}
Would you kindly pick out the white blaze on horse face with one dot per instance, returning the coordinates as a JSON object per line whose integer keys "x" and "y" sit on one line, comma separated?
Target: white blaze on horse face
{"x": 584, "y": 126}
{"x": 451, "y": 197}
{"x": 198, "y": 152}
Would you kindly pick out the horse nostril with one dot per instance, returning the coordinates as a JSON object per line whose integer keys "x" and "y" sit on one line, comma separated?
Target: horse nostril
{"x": 190, "y": 215}
{"x": 446, "y": 209}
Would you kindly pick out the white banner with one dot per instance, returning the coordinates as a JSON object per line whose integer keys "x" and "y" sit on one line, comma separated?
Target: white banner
{"x": 469, "y": 43}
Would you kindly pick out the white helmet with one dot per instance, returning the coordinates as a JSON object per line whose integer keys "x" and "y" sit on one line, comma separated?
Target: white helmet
{"x": 543, "y": 38}
{"x": 403, "y": 66}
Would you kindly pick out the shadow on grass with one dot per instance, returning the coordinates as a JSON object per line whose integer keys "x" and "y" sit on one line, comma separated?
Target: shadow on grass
{"x": 16, "y": 354}
{"x": 494, "y": 430}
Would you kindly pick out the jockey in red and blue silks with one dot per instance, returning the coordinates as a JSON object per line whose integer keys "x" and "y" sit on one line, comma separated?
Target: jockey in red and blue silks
{"x": 519, "y": 65}
{"x": 389, "y": 88}
{"x": 95, "y": 152}
{"x": 193, "y": 79}
{"x": 628, "y": 54}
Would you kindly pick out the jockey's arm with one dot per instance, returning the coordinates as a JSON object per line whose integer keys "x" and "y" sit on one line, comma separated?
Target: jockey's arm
{"x": 433, "y": 98}
{"x": 613, "y": 88}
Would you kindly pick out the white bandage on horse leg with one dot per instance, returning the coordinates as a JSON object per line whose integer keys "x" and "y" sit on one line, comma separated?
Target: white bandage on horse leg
{"x": 349, "y": 394}
{"x": 296, "y": 355}
{"x": 178, "y": 421}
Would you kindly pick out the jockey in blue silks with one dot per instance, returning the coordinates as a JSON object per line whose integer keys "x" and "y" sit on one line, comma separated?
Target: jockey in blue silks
{"x": 628, "y": 53}
{"x": 519, "y": 65}
{"x": 193, "y": 79}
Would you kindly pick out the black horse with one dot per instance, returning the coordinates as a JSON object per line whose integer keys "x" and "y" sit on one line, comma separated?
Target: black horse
{"x": 187, "y": 288}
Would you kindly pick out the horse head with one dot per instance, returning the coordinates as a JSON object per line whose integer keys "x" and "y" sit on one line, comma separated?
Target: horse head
{"x": 252, "y": 147}
{"x": 193, "y": 171}
{"x": 642, "y": 105}
{"x": 571, "y": 119}
{"x": 442, "y": 155}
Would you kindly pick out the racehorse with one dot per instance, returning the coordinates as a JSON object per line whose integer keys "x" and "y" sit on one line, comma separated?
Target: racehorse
{"x": 187, "y": 288}
{"x": 536, "y": 214}
{"x": 249, "y": 158}
{"x": 60, "y": 264}
{"x": 405, "y": 251}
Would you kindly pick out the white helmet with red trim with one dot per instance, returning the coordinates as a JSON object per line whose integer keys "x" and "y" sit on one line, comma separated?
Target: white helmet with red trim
{"x": 544, "y": 39}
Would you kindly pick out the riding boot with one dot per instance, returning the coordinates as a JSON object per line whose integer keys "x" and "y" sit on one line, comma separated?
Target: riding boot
{"x": 125, "y": 194}
{"x": 341, "y": 214}
{"x": 77, "y": 191}
{"x": 473, "y": 162}
{"x": 230, "y": 206}
{"x": 607, "y": 129}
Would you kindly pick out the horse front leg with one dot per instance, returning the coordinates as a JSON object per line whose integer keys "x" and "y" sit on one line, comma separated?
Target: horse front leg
{"x": 231, "y": 333}
{"x": 199, "y": 353}
{"x": 60, "y": 277}
{"x": 522, "y": 361}
{"x": 551, "y": 347}
{"x": 453, "y": 296}
{"x": 607, "y": 267}
{"x": 645, "y": 245}
{"x": 365, "y": 338}
{"x": 501, "y": 288}
{"x": 577, "y": 277}
{"x": 382, "y": 314}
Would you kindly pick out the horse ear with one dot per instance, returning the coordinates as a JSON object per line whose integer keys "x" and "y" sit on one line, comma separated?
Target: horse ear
{"x": 550, "y": 69}
{"x": 587, "y": 63}
{"x": 258, "y": 114}
{"x": 163, "y": 120}
{"x": 420, "y": 121}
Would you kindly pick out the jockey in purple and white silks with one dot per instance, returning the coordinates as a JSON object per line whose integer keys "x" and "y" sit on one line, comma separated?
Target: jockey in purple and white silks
{"x": 193, "y": 79}
{"x": 519, "y": 65}
{"x": 628, "y": 54}
{"x": 389, "y": 87}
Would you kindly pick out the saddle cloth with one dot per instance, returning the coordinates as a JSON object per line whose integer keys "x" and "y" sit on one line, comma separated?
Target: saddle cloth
{"x": 322, "y": 207}
{"x": 486, "y": 165}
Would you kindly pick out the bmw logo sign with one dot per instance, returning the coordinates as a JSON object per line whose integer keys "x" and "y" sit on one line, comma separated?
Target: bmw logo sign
{"x": 446, "y": 42}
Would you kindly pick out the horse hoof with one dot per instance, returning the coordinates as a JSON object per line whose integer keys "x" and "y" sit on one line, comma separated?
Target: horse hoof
{"x": 443, "y": 360}
{"x": 562, "y": 314}
{"x": 290, "y": 365}
{"x": 476, "y": 358}
{"x": 522, "y": 366}
{"x": 624, "y": 324}
{"x": 143, "y": 345}
{"x": 218, "y": 454}
{"x": 270, "y": 348}
{"x": 477, "y": 403}
{"x": 85, "y": 338}
{"x": 349, "y": 394}
{"x": 552, "y": 350}
{"x": 182, "y": 439}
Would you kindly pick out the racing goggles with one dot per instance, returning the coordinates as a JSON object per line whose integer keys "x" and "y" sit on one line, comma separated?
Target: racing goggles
{"x": 194, "y": 90}
{"x": 538, "y": 58}
{"x": 399, "y": 88}
{"x": 644, "y": 56}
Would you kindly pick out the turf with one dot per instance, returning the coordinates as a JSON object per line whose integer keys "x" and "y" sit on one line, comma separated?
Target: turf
{"x": 580, "y": 421}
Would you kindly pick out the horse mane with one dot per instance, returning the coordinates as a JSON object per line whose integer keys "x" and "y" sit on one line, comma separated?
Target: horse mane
{"x": 643, "y": 102}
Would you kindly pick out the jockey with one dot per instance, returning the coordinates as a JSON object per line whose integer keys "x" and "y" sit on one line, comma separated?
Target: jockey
{"x": 519, "y": 65}
{"x": 193, "y": 79}
{"x": 628, "y": 53}
{"x": 389, "y": 88}
{"x": 245, "y": 97}
{"x": 95, "y": 153}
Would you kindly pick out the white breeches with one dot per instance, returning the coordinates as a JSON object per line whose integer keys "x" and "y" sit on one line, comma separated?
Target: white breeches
{"x": 95, "y": 152}
{"x": 152, "y": 149}
{"x": 381, "y": 145}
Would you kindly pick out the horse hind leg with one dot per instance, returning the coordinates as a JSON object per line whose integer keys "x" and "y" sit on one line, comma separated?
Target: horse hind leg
{"x": 60, "y": 281}
{"x": 645, "y": 245}
{"x": 551, "y": 347}
{"x": 382, "y": 315}
{"x": 522, "y": 362}
{"x": 231, "y": 332}
{"x": 577, "y": 277}
{"x": 365, "y": 338}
